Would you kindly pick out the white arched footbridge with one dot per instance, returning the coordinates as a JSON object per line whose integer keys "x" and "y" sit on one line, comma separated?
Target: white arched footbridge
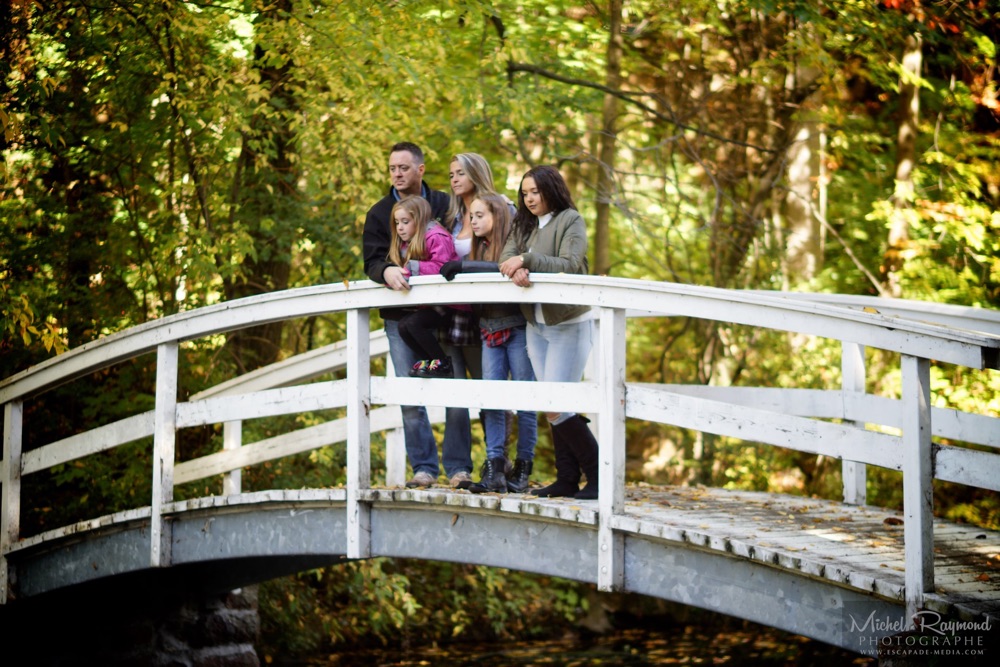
{"x": 819, "y": 568}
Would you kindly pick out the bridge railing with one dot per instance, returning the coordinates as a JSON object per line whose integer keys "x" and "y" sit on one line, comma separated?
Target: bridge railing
{"x": 792, "y": 418}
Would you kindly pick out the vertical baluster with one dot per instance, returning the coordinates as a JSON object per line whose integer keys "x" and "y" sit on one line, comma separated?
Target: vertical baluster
{"x": 852, "y": 366}
{"x": 918, "y": 490}
{"x": 611, "y": 473}
{"x": 10, "y": 519}
{"x": 232, "y": 439}
{"x": 358, "y": 433}
{"x": 164, "y": 439}
{"x": 395, "y": 457}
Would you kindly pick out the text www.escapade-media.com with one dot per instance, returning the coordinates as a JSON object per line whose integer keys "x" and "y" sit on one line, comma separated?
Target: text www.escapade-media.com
{"x": 931, "y": 635}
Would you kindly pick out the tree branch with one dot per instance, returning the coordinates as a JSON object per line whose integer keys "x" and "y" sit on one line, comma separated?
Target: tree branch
{"x": 630, "y": 98}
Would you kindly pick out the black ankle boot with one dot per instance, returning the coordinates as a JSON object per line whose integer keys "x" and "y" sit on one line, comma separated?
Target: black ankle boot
{"x": 567, "y": 468}
{"x": 493, "y": 479}
{"x": 584, "y": 446}
{"x": 507, "y": 463}
{"x": 517, "y": 479}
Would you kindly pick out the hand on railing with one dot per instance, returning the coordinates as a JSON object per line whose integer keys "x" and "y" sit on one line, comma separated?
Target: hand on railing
{"x": 395, "y": 279}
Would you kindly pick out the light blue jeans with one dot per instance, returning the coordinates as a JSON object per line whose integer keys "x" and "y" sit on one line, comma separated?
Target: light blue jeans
{"x": 559, "y": 353}
{"x": 510, "y": 360}
{"x": 421, "y": 448}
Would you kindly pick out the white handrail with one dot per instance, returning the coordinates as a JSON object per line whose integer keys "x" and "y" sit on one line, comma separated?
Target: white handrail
{"x": 966, "y": 348}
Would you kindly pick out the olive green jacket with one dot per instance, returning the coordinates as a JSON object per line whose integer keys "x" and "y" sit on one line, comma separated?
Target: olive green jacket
{"x": 561, "y": 247}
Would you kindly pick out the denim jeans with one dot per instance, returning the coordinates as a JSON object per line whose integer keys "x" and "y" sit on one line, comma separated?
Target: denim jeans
{"x": 421, "y": 448}
{"x": 559, "y": 352}
{"x": 499, "y": 363}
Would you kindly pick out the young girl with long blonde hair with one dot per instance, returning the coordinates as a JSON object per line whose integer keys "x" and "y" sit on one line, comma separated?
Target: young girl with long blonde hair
{"x": 420, "y": 246}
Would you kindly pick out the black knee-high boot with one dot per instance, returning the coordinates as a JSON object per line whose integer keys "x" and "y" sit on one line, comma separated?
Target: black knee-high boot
{"x": 583, "y": 444}
{"x": 567, "y": 468}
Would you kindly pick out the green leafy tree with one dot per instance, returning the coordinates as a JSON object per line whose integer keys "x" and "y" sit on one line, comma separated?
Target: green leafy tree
{"x": 168, "y": 155}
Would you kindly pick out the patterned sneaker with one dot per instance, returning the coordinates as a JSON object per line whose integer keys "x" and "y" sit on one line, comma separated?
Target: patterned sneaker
{"x": 420, "y": 480}
{"x": 419, "y": 368}
{"x": 461, "y": 480}
{"x": 437, "y": 368}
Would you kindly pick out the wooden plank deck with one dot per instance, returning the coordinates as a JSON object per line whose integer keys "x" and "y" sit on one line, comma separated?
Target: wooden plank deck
{"x": 856, "y": 546}
{"x": 851, "y": 546}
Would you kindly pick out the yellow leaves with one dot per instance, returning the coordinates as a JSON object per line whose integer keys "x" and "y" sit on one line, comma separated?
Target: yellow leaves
{"x": 21, "y": 321}
{"x": 9, "y": 124}
{"x": 256, "y": 93}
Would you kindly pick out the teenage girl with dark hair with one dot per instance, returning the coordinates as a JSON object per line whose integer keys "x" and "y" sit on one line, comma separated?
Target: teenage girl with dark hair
{"x": 550, "y": 236}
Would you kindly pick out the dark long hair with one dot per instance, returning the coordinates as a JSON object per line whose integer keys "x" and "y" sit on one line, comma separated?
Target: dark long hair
{"x": 555, "y": 193}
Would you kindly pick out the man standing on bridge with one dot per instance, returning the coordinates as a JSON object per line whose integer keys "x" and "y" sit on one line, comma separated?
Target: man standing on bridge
{"x": 406, "y": 171}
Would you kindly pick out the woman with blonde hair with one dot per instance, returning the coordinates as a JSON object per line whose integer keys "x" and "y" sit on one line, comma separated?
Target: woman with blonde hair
{"x": 470, "y": 176}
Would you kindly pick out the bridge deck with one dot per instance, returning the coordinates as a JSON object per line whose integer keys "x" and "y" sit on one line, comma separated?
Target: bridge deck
{"x": 799, "y": 564}
{"x": 859, "y": 547}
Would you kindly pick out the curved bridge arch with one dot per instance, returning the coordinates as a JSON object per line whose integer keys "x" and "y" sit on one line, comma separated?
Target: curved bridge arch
{"x": 254, "y": 537}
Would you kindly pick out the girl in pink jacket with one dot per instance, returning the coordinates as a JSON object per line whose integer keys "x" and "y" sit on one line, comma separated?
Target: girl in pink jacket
{"x": 421, "y": 246}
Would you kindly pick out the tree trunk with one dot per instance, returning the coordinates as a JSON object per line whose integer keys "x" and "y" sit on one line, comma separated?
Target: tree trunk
{"x": 803, "y": 246}
{"x": 906, "y": 148}
{"x": 608, "y": 145}
{"x": 268, "y": 200}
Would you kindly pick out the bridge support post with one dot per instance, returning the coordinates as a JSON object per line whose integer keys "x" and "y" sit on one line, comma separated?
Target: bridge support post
{"x": 918, "y": 488}
{"x": 164, "y": 444}
{"x": 611, "y": 455}
{"x": 359, "y": 402}
{"x": 852, "y": 364}
{"x": 10, "y": 506}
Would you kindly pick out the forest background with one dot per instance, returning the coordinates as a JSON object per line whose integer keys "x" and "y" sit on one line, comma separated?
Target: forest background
{"x": 160, "y": 156}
